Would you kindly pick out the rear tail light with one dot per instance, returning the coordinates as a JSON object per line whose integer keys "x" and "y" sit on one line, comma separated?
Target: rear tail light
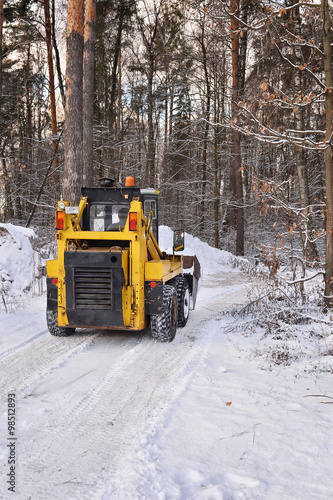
{"x": 60, "y": 217}
{"x": 133, "y": 221}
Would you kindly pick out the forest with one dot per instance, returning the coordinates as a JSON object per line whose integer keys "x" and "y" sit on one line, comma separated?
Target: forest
{"x": 225, "y": 107}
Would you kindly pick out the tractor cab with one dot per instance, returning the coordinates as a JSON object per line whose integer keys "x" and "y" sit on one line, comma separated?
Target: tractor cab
{"x": 108, "y": 206}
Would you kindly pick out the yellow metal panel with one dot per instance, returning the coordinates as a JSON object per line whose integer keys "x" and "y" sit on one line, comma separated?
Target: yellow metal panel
{"x": 127, "y": 291}
{"x": 138, "y": 257}
{"x": 162, "y": 270}
{"x": 127, "y": 295}
{"x": 156, "y": 269}
{"x": 125, "y": 264}
{"x": 76, "y": 220}
{"x": 152, "y": 249}
{"x": 52, "y": 268}
{"x": 62, "y": 316}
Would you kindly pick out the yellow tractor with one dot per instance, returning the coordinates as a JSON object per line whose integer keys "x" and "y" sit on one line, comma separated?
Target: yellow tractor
{"x": 110, "y": 272}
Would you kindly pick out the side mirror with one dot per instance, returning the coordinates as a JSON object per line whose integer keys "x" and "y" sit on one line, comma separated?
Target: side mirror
{"x": 178, "y": 240}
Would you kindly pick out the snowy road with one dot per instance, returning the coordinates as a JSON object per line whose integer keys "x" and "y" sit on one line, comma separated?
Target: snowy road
{"x": 84, "y": 401}
{"x": 235, "y": 408}
{"x": 114, "y": 416}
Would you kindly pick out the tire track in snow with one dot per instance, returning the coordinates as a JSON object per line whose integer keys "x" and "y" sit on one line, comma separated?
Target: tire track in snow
{"x": 89, "y": 399}
{"x": 103, "y": 424}
{"x": 16, "y": 348}
{"x": 35, "y": 359}
{"x": 114, "y": 385}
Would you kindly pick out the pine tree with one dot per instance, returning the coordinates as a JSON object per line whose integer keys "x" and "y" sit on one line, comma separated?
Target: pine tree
{"x": 72, "y": 180}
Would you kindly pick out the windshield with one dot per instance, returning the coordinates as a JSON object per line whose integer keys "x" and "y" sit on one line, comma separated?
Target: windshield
{"x": 108, "y": 217}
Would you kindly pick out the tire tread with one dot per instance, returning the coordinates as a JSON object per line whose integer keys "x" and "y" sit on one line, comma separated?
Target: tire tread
{"x": 54, "y": 328}
{"x": 182, "y": 287}
{"x": 162, "y": 325}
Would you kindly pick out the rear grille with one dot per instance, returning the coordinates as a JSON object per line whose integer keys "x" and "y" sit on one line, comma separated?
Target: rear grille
{"x": 92, "y": 288}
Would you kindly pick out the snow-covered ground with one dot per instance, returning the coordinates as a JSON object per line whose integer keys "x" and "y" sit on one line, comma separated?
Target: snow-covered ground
{"x": 224, "y": 412}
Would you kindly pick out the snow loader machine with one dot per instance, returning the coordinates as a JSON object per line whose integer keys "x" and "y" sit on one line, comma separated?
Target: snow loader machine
{"x": 110, "y": 272}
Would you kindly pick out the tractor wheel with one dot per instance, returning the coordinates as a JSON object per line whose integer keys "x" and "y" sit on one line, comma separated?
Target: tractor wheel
{"x": 163, "y": 326}
{"x": 54, "y": 328}
{"x": 183, "y": 297}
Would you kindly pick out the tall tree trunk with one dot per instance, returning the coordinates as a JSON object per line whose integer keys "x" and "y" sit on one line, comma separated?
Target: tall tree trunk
{"x": 328, "y": 152}
{"x": 219, "y": 138}
{"x": 8, "y": 186}
{"x": 301, "y": 165}
{"x": 28, "y": 86}
{"x": 1, "y": 26}
{"x": 17, "y": 170}
{"x": 245, "y": 4}
{"x": 119, "y": 124}
{"x": 206, "y": 131}
{"x": 236, "y": 183}
{"x": 52, "y": 92}
{"x": 166, "y": 119}
{"x": 150, "y": 157}
{"x": 88, "y": 90}
{"x": 73, "y": 113}
{"x": 57, "y": 57}
{"x": 116, "y": 59}
{"x": 216, "y": 180}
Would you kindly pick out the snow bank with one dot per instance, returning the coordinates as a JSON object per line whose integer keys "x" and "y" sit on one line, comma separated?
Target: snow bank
{"x": 18, "y": 260}
{"x": 212, "y": 260}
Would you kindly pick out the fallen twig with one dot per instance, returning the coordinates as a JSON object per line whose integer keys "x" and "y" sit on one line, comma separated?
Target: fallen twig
{"x": 320, "y": 396}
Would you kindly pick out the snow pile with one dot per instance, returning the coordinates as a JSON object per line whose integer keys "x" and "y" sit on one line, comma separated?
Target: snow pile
{"x": 212, "y": 260}
{"x": 18, "y": 260}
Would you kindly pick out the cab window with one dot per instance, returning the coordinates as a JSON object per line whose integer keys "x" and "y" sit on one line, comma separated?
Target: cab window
{"x": 150, "y": 205}
{"x": 107, "y": 217}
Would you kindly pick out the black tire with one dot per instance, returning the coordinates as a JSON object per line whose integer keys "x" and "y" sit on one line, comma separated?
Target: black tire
{"x": 183, "y": 298}
{"x": 163, "y": 326}
{"x": 54, "y": 328}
